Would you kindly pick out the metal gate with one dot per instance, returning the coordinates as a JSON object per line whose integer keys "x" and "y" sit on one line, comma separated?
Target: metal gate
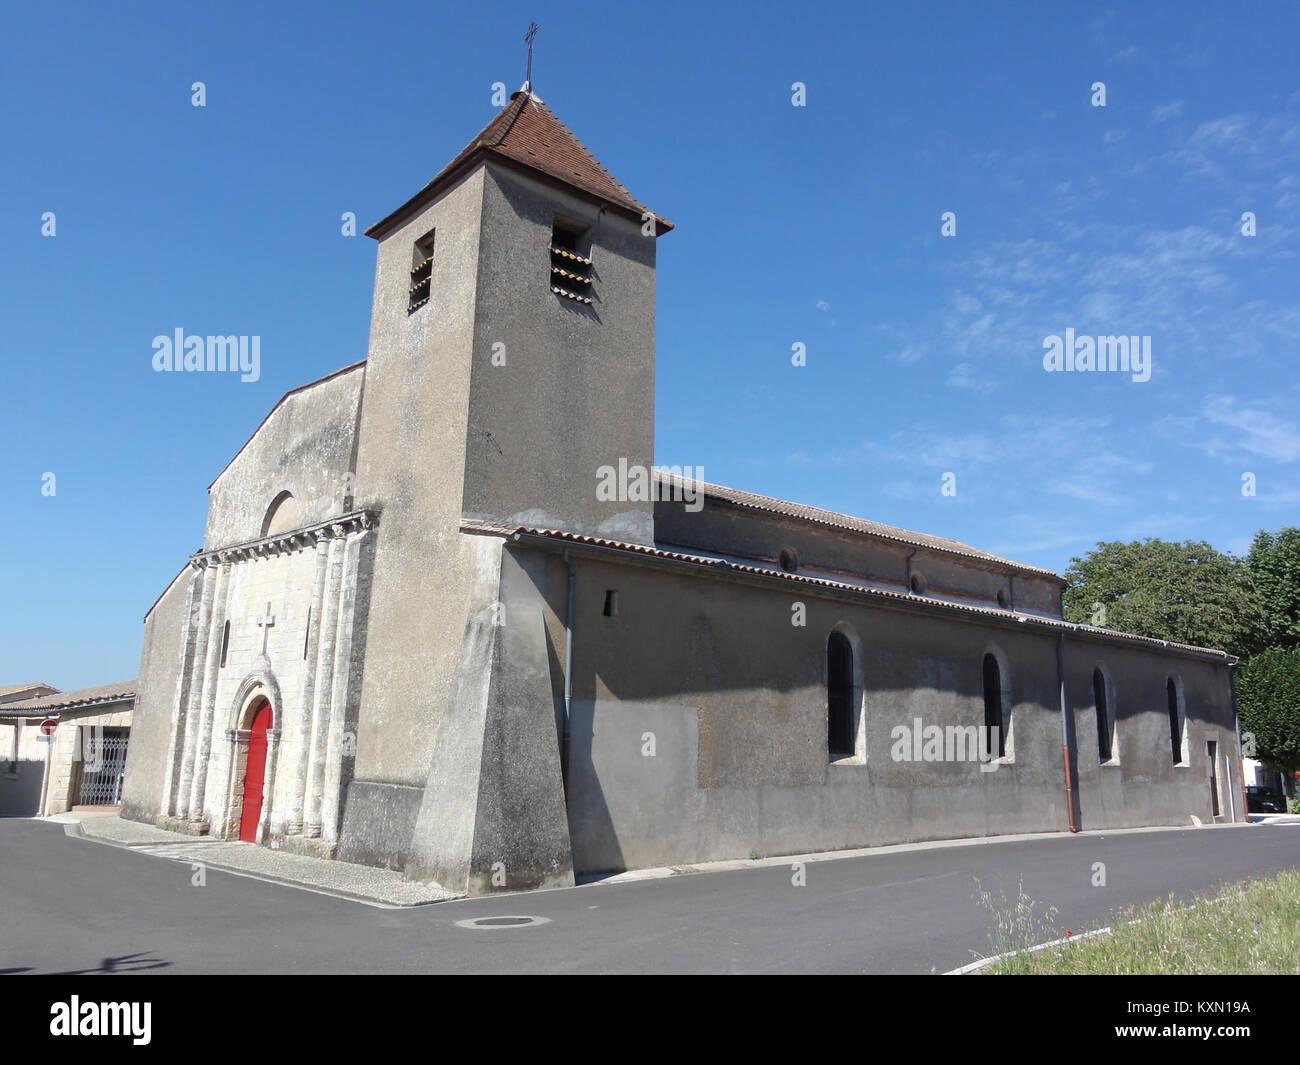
{"x": 103, "y": 760}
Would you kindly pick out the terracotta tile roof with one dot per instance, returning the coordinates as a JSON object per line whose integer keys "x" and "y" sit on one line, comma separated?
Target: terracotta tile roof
{"x": 12, "y": 688}
{"x": 830, "y": 519}
{"x": 527, "y": 132}
{"x": 720, "y": 565}
{"x": 583, "y": 538}
{"x": 101, "y": 693}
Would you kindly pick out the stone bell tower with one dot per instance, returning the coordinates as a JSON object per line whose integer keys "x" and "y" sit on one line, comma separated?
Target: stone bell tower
{"x": 526, "y": 273}
{"x": 511, "y": 360}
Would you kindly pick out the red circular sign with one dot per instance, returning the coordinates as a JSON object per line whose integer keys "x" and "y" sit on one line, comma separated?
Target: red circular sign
{"x": 48, "y": 726}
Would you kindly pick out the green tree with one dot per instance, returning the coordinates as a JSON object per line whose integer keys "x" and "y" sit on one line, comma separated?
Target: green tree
{"x": 1187, "y": 592}
{"x": 1274, "y": 565}
{"x": 1268, "y": 701}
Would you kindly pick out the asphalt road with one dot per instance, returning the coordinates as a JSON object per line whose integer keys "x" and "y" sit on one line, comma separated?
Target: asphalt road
{"x": 70, "y": 905}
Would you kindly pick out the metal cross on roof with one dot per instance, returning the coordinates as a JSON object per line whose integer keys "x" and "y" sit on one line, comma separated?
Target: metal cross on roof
{"x": 532, "y": 32}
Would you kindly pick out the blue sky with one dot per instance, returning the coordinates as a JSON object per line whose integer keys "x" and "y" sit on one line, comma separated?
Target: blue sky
{"x": 817, "y": 224}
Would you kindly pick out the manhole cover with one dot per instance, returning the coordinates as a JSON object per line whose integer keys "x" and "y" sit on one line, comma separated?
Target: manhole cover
{"x": 502, "y": 922}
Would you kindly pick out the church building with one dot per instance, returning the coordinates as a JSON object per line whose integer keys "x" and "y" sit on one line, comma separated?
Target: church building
{"x": 424, "y": 633}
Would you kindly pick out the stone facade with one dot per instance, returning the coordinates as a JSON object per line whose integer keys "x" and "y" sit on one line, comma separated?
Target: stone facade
{"x": 304, "y": 660}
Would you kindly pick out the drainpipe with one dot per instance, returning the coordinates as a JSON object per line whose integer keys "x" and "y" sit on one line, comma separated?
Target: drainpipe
{"x": 1065, "y": 731}
{"x": 1241, "y": 765}
{"x": 909, "y": 571}
{"x": 41, "y": 811}
{"x": 1011, "y": 584}
{"x": 568, "y": 678}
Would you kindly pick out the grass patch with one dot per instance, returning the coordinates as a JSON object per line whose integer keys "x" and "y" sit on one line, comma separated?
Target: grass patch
{"x": 1248, "y": 928}
{"x": 1018, "y": 923}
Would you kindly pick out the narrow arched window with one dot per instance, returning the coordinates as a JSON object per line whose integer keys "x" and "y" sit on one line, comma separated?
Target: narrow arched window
{"x": 225, "y": 643}
{"x": 840, "y": 724}
{"x": 994, "y": 721}
{"x": 1103, "y": 715}
{"x": 1175, "y": 721}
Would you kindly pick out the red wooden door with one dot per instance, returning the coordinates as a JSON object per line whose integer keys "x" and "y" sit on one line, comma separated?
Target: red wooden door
{"x": 254, "y": 775}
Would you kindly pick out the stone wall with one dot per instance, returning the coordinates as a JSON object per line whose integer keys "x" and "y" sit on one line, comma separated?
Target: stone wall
{"x": 304, "y": 447}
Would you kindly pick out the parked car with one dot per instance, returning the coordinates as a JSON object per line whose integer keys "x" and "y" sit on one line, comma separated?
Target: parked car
{"x": 1261, "y": 800}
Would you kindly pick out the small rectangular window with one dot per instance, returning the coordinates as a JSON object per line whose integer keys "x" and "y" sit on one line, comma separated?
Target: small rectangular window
{"x": 571, "y": 263}
{"x": 1212, "y": 752}
{"x": 611, "y": 603}
{"x": 421, "y": 273}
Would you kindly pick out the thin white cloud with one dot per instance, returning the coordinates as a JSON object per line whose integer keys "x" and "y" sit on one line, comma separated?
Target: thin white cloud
{"x": 1235, "y": 430}
{"x": 1087, "y": 493}
{"x": 1256, "y": 430}
{"x": 906, "y": 355}
{"x": 970, "y": 378}
{"x": 1165, "y": 112}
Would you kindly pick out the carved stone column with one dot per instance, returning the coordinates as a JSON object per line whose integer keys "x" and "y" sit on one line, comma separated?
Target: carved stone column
{"x": 342, "y": 688}
{"x": 268, "y": 783}
{"x": 234, "y": 808}
{"x": 324, "y": 685}
{"x": 212, "y": 664}
{"x": 298, "y": 754}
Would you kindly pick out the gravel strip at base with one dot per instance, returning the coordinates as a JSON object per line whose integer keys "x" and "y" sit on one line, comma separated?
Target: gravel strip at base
{"x": 362, "y": 883}
{"x": 112, "y": 829}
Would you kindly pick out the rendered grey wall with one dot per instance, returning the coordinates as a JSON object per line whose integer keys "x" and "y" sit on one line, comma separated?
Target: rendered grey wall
{"x": 160, "y": 667}
{"x": 1142, "y": 785}
{"x": 410, "y": 465}
{"x": 734, "y": 697}
{"x": 20, "y": 791}
{"x": 493, "y": 815}
{"x": 724, "y": 529}
{"x": 577, "y": 390}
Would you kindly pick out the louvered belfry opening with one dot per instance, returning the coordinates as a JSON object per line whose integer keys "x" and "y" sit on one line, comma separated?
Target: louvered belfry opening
{"x": 421, "y": 274}
{"x": 571, "y": 276}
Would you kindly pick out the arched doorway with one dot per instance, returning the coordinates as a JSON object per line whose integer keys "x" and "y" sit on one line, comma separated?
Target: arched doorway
{"x": 255, "y": 772}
